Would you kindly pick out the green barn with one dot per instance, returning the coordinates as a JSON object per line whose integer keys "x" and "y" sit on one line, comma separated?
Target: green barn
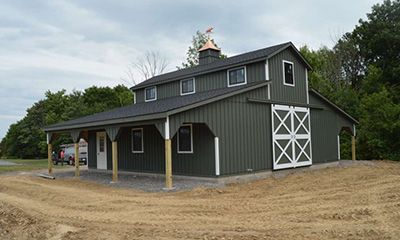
{"x": 247, "y": 113}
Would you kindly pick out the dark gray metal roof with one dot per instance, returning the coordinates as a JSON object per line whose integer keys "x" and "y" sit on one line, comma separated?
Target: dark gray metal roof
{"x": 248, "y": 57}
{"x": 153, "y": 110}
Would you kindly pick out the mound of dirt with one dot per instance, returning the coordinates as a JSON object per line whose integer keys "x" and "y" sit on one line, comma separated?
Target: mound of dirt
{"x": 351, "y": 202}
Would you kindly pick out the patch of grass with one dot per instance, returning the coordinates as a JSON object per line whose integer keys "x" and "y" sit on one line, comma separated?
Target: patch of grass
{"x": 25, "y": 165}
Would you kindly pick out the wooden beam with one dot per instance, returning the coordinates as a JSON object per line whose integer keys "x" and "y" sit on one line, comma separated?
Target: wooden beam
{"x": 353, "y": 147}
{"x": 115, "y": 161}
{"x": 168, "y": 164}
{"x": 76, "y": 159}
{"x": 50, "y": 158}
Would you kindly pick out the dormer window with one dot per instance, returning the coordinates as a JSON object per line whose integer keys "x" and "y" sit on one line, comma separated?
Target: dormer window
{"x": 150, "y": 94}
{"x": 188, "y": 86}
{"x": 237, "y": 76}
{"x": 288, "y": 73}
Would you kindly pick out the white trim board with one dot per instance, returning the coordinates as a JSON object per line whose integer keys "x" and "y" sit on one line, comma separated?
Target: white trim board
{"x": 191, "y": 140}
{"x": 237, "y": 84}
{"x": 283, "y": 72}
{"x": 141, "y": 130}
{"x": 194, "y": 86}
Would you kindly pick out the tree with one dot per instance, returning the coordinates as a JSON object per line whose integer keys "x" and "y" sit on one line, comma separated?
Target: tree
{"x": 192, "y": 54}
{"x": 26, "y": 139}
{"x": 378, "y": 40}
{"x": 380, "y": 121}
{"x": 148, "y": 66}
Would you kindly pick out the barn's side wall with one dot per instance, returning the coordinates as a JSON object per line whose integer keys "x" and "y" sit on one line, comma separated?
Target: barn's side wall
{"x": 326, "y": 125}
{"x": 243, "y": 129}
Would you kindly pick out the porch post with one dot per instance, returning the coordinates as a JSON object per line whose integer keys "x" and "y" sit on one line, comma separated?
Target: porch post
{"x": 113, "y": 134}
{"x": 353, "y": 144}
{"x": 168, "y": 157}
{"x": 76, "y": 159}
{"x": 49, "y": 154}
{"x": 115, "y": 161}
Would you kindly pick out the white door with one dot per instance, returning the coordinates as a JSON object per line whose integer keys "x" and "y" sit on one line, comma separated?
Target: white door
{"x": 101, "y": 147}
{"x": 291, "y": 136}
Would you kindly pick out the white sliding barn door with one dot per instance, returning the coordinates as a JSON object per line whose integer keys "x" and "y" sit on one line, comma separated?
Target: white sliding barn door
{"x": 291, "y": 136}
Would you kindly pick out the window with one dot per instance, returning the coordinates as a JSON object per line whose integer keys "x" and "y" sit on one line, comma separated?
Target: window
{"x": 188, "y": 86}
{"x": 101, "y": 143}
{"x": 237, "y": 76}
{"x": 150, "y": 94}
{"x": 137, "y": 140}
{"x": 185, "y": 139}
{"x": 288, "y": 77}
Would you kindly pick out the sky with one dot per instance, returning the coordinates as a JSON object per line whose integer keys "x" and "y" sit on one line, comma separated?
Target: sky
{"x": 55, "y": 44}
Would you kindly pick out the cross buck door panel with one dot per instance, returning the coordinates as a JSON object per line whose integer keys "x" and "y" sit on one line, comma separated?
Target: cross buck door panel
{"x": 291, "y": 136}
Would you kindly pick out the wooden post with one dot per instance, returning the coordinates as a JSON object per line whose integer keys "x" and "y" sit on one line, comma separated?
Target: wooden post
{"x": 353, "y": 147}
{"x": 50, "y": 158}
{"x": 115, "y": 161}
{"x": 77, "y": 159}
{"x": 168, "y": 164}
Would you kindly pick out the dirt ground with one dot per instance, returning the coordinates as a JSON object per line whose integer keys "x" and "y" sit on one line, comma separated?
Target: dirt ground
{"x": 356, "y": 202}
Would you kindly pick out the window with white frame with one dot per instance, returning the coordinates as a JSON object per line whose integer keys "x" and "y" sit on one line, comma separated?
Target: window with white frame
{"x": 237, "y": 76}
{"x": 288, "y": 73}
{"x": 188, "y": 86}
{"x": 185, "y": 139}
{"x": 137, "y": 140}
{"x": 150, "y": 94}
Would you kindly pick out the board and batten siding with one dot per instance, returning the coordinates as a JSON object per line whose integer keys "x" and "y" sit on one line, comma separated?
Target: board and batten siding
{"x": 326, "y": 125}
{"x": 279, "y": 91}
{"x": 199, "y": 163}
{"x": 243, "y": 129}
{"x": 205, "y": 82}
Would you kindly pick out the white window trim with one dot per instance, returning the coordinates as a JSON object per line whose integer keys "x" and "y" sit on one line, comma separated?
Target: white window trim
{"x": 194, "y": 86}
{"x": 141, "y": 130}
{"x": 155, "y": 95}
{"x": 283, "y": 71}
{"x": 307, "y": 93}
{"x": 191, "y": 139}
{"x": 237, "y": 84}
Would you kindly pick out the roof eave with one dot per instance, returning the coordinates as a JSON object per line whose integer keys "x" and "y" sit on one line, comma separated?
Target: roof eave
{"x": 334, "y": 106}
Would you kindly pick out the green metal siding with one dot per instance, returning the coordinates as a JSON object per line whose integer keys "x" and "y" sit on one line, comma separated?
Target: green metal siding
{"x": 243, "y": 129}
{"x": 254, "y": 72}
{"x": 201, "y": 162}
{"x": 326, "y": 124}
{"x": 152, "y": 160}
{"x": 139, "y": 95}
{"x": 92, "y": 154}
{"x": 281, "y": 92}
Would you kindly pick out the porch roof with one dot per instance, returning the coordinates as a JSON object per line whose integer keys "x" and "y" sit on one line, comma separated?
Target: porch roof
{"x": 152, "y": 110}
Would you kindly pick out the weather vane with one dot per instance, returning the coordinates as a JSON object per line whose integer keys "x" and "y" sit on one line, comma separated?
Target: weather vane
{"x": 209, "y": 31}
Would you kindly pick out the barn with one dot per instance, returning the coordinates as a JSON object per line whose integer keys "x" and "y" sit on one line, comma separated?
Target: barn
{"x": 243, "y": 114}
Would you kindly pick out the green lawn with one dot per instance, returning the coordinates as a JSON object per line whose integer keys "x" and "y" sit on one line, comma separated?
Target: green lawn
{"x": 25, "y": 165}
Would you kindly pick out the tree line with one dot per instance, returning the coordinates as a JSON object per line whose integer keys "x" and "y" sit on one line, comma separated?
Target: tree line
{"x": 361, "y": 73}
{"x": 26, "y": 138}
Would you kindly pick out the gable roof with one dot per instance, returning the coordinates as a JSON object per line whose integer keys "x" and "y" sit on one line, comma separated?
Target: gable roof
{"x": 153, "y": 110}
{"x": 336, "y": 107}
{"x": 245, "y": 58}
